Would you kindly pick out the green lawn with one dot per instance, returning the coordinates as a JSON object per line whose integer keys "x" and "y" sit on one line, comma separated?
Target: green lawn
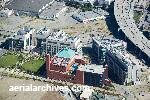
{"x": 33, "y": 65}
{"x": 137, "y": 16}
{"x": 8, "y": 60}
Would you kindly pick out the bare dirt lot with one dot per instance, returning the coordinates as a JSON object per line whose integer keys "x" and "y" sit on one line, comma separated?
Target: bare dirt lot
{"x": 5, "y": 94}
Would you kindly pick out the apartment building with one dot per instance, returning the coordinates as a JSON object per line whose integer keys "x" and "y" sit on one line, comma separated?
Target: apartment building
{"x": 59, "y": 40}
{"x": 40, "y": 36}
{"x": 113, "y": 52}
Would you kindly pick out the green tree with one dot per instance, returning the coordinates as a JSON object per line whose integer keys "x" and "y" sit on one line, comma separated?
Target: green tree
{"x": 20, "y": 58}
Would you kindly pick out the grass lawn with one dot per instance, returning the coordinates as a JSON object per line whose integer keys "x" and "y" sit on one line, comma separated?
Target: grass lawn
{"x": 8, "y": 60}
{"x": 137, "y": 16}
{"x": 33, "y": 65}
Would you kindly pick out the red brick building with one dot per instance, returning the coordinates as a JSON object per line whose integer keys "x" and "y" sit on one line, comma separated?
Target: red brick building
{"x": 66, "y": 65}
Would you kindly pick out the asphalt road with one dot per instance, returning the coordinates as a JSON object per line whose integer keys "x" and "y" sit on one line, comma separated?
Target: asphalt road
{"x": 123, "y": 10}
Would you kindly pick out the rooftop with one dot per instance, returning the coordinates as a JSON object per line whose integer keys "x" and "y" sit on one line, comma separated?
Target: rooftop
{"x": 21, "y": 33}
{"x": 58, "y": 36}
{"x": 116, "y": 47}
{"x": 72, "y": 39}
{"x": 52, "y": 10}
{"x": 61, "y": 36}
{"x": 6, "y": 10}
{"x": 111, "y": 42}
{"x": 28, "y": 5}
{"x": 99, "y": 69}
{"x": 43, "y": 33}
{"x": 66, "y": 53}
{"x": 86, "y": 15}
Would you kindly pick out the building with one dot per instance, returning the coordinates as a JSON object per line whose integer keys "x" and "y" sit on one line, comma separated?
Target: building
{"x": 94, "y": 75}
{"x": 22, "y": 40}
{"x": 40, "y": 36}
{"x": 59, "y": 40}
{"x": 93, "y": 2}
{"x": 113, "y": 52}
{"x": 48, "y": 41}
{"x": 85, "y": 1}
{"x": 29, "y": 7}
{"x": 69, "y": 66}
{"x": 88, "y": 16}
{"x": 53, "y": 11}
{"x": 145, "y": 25}
{"x": 108, "y": 2}
{"x": 6, "y": 13}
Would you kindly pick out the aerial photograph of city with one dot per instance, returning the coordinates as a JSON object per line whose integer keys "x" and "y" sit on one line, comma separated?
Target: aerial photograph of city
{"x": 74, "y": 49}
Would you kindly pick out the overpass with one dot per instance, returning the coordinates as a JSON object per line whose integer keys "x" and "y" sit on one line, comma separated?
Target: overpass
{"x": 123, "y": 11}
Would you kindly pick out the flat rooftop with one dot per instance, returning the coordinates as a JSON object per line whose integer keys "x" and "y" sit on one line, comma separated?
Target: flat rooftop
{"x": 52, "y": 10}
{"x": 61, "y": 36}
{"x": 43, "y": 33}
{"x": 21, "y": 33}
{"x": 28, "y": 5}
{"x": 115, "y": 47}
{"x": 109, "y": 42}
{"x": 57, "y": 36}
{"x": 98, "y": 69}
{"x": 5, "y": 10}
{"x": 86, "y": 15}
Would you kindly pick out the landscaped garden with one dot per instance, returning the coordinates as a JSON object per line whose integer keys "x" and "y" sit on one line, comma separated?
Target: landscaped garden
{"x": 8, "y": 60}
{"x": 26, "y": 62}
{"x": 33, "y": 65}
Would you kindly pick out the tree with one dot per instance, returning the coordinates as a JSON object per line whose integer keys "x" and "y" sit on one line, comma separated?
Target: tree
{"x": 86, "y": 7}
{"x": 20, "y": 58}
